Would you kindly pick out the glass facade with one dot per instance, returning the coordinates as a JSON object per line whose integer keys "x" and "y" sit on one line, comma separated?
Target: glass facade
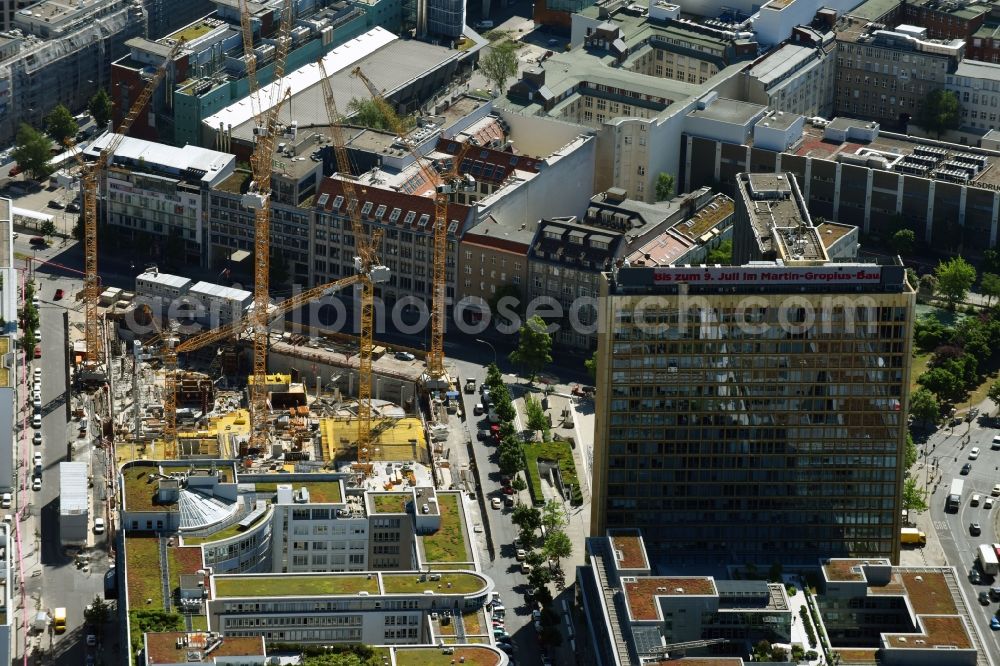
{"x": 755, "y": 433}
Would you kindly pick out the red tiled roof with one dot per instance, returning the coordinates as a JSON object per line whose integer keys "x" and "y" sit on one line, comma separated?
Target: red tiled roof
{"x": 493, "y": 166}
{"x": 391, "y": 200}
{"x": 162, "y": 647}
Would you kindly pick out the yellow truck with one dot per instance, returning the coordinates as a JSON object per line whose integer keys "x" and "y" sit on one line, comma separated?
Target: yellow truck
{"x": 911, "y": 536}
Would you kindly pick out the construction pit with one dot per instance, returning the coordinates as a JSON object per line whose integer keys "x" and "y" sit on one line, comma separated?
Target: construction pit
{"x": 312, "y": 422}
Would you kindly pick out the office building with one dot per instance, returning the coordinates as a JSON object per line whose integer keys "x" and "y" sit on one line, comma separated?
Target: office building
{"x": 871, "y": 612}
{"x": 761, "y": 403}
{"x": 797, "y": 77}
{"x": 977, "y": 86}
{"x": 884, "y": 75}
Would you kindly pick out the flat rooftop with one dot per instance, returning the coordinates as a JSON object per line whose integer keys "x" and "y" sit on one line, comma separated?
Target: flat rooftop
{"x": 469, "y": 655}
{"x": 814, "y": 145}
{"x": 629, "y": 551}
{"x": 848, "y": 569}
{"x": 391, "y": 63}
{"x": 175, "y": 647}
{"x": 397, "y": 438}
{"x": 730, "y": 111}
{"x": 141, "y": 481}
{"x": 347, "y": 584}
{"x": 641, "y": 594}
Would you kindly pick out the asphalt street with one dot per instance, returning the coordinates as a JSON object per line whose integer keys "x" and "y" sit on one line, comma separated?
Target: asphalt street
{"x": 950, "y": 449}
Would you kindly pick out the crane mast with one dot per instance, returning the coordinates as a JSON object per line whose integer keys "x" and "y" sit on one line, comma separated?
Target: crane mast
{"x": 366, "y": 264}
{"x": 445, "y": 185}
{"x": 258, "y": 199}
{"x": 89, "y": 181}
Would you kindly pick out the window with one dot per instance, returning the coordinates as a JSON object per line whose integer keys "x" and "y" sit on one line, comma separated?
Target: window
{"x": 394, "y": 215}
{"x": 338, "y": 202}
{"x": 380, "y": 211}
{"x": 408, "y": 220}
{"x": 367, "y": 208}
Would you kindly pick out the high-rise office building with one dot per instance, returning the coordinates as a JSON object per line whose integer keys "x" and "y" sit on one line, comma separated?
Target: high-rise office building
{"x": 755, "y": 413}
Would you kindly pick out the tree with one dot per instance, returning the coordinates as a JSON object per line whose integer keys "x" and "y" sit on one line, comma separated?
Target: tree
{"x": 539, "y": 577}
{"x": 493, "y": 376}
{"x": 505, "y": 410}
{"x": 518, "y": 483}
{"x": 943, "y": 383}
{"x": 991, "y": 260}
{"x": 369, "y": 113}
{"x": 557, "y": 546}
{"x": 955, "y": 277}
{"x": 913, "y": 499}
{"x": 526, "y": 517}
{"x": 989, "y": 286}
{"x": 534, "y": 347}
{"x": 32, "y": 151}
{"x": 664, "y": 186}
{"x": 48, "y": 228}
{"x": 97, "y": 613}
{"x": 510, "y": 460}
{"x": 537, "y": 419}
{"x": 940, "y": 112}
{"x": 928, "y": 283}
{"x": 60, "y": 124}
{"x": 994, "y": 392}
{"x": 553, "y": 516}
{"x": 100, "y": 108}
{"x": 723, "y": 254}
{"x": 500, "y": 64}
{"x": 903, "y": 241}
{"x": 910, "y": 456}
{"x": 591, "y": 365}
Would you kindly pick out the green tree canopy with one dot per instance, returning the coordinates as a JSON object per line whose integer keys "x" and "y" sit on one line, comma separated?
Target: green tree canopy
{"x": 911, "y": 452}
{"x": 60, "y": 124}
{"x": 664, "y": 186}
{"x": 557, "y": 545}
{"x": 97, "y": 613}
{"x": 955, "y": 277}
{"x": 940, "y": 112}
{"x": 537, "y": 420}
{"x": 526, "y": 517}
{"x": 32, "y": 150}
{"x": 510, "y": 460}
{"x": 499, "y": 64}
{"x": 369, "y": 113}
{"x": 100, "y": 108}
{"x": 591, "y": 365}
{"x": 493, "y": 376}
{"x": 48, "y": 228}
{"x": 989, "y": 286}
{"x": 994, "y": 392}
{"x": 553, "y": 516}
{"x": 943, "y": 382}
{"x": 903, "y": 241}
{"x": 534, "y": 347}
{"x": 723, "y": 254}
{"x": 913, "y": 498}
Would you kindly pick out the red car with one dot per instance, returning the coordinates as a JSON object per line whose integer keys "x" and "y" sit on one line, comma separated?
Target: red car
{"x": 38, "y": 351}
{"x": 59, "y": 295}
{"x": 507, "y": 490}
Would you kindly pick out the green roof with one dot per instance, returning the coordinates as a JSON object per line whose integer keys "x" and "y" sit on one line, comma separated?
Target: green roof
{"x": 320, "y": 492}
{"x": 295, "y": 585}
{"x": 423, "y": 656}
{"x": 140, "y": 489}
{"x": 450, "y": 583}
{"x": 390, "y": 502}
{"x": 449, "y": 543}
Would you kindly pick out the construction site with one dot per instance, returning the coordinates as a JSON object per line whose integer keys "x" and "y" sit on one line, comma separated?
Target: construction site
{"x": 248, "y": 390}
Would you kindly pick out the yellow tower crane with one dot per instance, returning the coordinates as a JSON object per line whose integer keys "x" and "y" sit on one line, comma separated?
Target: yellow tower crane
{"x": 89, "y": 178}
{"x": 258, "y": 199}
{"x": 228, "y": 332}
{"x": 367, "y": 265}
{"x": 445, "y": 185}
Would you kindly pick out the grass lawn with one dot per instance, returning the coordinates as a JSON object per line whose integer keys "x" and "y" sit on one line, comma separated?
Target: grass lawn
{"x": 470, "y": 656}
{"x": 448, "y": 543}
{"x": 473, "y": 623}
{"x": 918, "y": 366}
{"x": 142, "y": 565}
{"x": 560, "y": 451}
{"x": 293, "y": 586}
{"x": 461, "y": 583}
{"x": 319, "y": 491}
{"x": 390, "y": 503}
{"x": 182, "y": 561}
{"x": 199, "y": 623}
{"x": 230, "y": 531}
{"x": 139, "y": 489}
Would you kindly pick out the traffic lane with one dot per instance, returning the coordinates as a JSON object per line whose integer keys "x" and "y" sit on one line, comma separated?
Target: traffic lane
{"x": 505, "y": 570}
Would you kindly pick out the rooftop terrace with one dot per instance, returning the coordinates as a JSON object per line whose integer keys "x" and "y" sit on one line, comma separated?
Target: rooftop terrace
{"x": 389, "y": 502}
{"x": 848, "y": 569}
{"x": 449, "y": 543}
{"x": 423, "y": 656}
{"x": 630, "y": 553}
{"x": 141, "y": 488}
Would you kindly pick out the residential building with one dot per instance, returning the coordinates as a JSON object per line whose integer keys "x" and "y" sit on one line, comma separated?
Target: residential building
{"x": 156, "y": 193}
{"x": 977, "y": 86}
{"x": 797, "y": 77}
{"x": 701, "y": 221}
{"x": 946, "y": 20}
{"x": 180, "y": 648}
{"x": 854, "y": 172}
{"x": 872, "y": 612}
{"x": 885, "y": 75}
{"x": 210, "y": 72}
{"x": 719, "y": 361}
{"x": 57, "y": 51}
{"x": 493, "y": 259}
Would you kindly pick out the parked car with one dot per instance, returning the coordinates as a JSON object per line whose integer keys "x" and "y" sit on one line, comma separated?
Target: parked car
{"x": 507, "y": 490}
{"x": 975, "y": 529}
{"x": 483, "y": 435}
{"x": 5, "y": 500}
{"x": 38, "y": 351}
{"x": 36, "y": 439}
{"x": 405, "y": 356}
{"x": 36, "y": 483}
{"x": 59, "y": 295}
{"x": 496, "y": 503}
{"x": 984, "y": 598}
{"x": 98, "y": 526}
{"x": 974, "y": 453}
{"x": 58, "y": 205}
{"x": 996, "y": 490}
{"x": 966, "y": 468}
{"x": 520, "y": 555}
{"x": 72, "y": 207}
{"x": 478, "y": 409}
{"x": 508, "y": 502}
{"x": 988, "y": 503}
{"x": 995, "y": 593}
{"x": 36, "y": 421}
{"x": 994, "y": 623}
{"x": 975, "y": 500}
